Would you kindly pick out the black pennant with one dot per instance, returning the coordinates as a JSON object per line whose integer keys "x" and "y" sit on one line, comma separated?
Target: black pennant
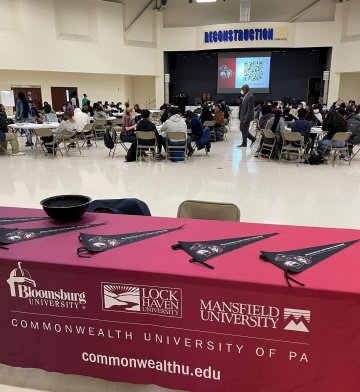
{"x": 12, "y": 236}
{"x": 299, "y": 260}
{"x": 8, "y": 221}
{"x": 205, "y": 250}
{"x": 94, "y": 243}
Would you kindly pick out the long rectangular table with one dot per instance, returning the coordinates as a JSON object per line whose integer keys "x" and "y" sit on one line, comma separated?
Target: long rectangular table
{"x": 142, "y": 313}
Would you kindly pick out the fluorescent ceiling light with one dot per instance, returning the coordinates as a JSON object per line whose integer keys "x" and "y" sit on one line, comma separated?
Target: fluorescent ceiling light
{"x": 205, "y": 1}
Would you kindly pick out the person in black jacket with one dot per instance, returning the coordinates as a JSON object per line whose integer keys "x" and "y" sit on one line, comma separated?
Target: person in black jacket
{"x": 146, "y": 125}
{"x": 194, "y": 124}
{"x": 206, "y": 114}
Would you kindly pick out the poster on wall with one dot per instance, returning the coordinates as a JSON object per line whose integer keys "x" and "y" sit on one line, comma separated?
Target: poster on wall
{"x": 7, "y": 97}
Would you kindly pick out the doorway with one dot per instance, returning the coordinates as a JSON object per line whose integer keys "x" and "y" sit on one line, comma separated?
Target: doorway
{"x": 314, "y": 89}
{"x": 35, "y": 92}
{"x": 61, "y": 95}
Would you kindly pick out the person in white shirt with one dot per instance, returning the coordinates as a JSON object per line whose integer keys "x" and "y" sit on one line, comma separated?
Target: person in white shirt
{"x": 174, "y": 123}
{"x": 67, "y": 124}
{"x": 81, "y": 119}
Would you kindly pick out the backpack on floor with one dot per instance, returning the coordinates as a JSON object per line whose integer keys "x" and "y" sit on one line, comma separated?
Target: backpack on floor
{"x": 204, "y": 141}
{"x": 108, "y": 140}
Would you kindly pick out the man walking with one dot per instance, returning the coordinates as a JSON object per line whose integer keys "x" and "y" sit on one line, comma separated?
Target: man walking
{"x": 246, "y": 115}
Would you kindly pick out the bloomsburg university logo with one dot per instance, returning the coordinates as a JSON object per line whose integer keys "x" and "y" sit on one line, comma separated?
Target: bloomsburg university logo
{"x": 297, "y": 319}
{"x": 154, "y": 300}
{"x": 23, "y": 286}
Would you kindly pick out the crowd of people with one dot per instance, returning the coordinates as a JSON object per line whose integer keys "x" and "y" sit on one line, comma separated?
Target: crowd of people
{"x": 278, "y": 118}
{"x": 301, "y": 118}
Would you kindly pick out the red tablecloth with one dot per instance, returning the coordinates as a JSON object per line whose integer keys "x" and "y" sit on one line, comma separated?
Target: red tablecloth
{"x": 237, "y": 327}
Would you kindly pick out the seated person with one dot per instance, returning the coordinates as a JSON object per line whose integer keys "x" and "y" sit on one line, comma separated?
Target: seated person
{"x": 225, "y": 109}
{"x": 301, "y": 125}
{"x": 266, "y": 114}
{"x": 68, "y": 124}
{"x": 206, "y": 115}
{"x": 333, "y": 123}
{"x": 82, "y": 119}
{"x": 127, "y": 134}
{"x": 353, "y": 125}
{"x": 175, "y": 123}
{"x": 48, "y": 114}
{"x": 7, "y": 135}
{"x": 194, "y": 124}
{"x": 218, "y": 117}
{"x": 137, "y": 108}
{"x": 198, "y": 111}
{"x": 165, "y": 114}
{"x": 146, "y": 125}
{"x": 99, "y": 113}
{"x": 219, "y": 123}
{"x": 277, "y": 125}
{"x": 287, "y": 116}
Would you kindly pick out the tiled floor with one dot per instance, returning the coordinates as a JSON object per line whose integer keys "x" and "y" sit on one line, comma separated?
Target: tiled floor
{"x": 265, "y": 192}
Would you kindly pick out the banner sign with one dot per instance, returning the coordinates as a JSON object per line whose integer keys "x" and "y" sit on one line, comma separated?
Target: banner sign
{"x": 159, "y": 329}
{"x": 255, "y": 34}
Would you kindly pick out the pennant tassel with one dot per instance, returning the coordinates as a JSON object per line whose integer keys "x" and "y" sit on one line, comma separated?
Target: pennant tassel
{"x": 288, "y": 278}
{"x": 83, "y": 252}
{"x": 202, "y": 263}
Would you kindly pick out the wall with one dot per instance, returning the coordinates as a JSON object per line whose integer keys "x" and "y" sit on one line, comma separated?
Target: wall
{"x": 98, "y": 87}
{"x": 350, "y": 87}
{"x": 72, "y": 36}
{"x": 145, "y": 94}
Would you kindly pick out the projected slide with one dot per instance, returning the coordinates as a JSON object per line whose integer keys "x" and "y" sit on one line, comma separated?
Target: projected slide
{"x": 237, "y": 70}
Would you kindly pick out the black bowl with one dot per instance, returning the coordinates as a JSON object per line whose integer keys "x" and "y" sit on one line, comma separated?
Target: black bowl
{"x": 66, "y": 208}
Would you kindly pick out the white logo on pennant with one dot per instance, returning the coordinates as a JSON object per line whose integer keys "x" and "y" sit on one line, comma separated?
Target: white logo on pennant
{"x": 299, "y": 319}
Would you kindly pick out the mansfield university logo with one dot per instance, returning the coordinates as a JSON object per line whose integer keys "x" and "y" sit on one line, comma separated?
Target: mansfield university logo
{"x": 24, "y": 287}
{"x": 154, "y": 300}
{"x": 297, "y": 319}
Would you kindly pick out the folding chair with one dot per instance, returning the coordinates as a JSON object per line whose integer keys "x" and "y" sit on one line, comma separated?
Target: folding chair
{"x": 45, "y": 132}
{"x": 177, "y": 137}
{"x": 148, "y": 136}
{"x": 289, "y": 146}
{"x": 210, "y": 125}
{"x": 99, "y": 128}
{"x": 87, "y": 134}
{"x": 256, "y": 131}
{"x": 268, "y": 143}
{"x": 356, "y": 145}
{"x": 115, "y": 129}
{"x": 335, "y": 152}
{"x": 70, "y": 138}
{"x": 197, "y": 209}
{"x": 226, "y": 128}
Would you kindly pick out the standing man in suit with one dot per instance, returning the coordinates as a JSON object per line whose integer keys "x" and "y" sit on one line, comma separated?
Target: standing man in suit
{"x": 247, "y": 109}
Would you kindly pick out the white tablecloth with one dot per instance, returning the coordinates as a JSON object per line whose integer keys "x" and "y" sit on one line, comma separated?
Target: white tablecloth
{"x": 34, "y": 125}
